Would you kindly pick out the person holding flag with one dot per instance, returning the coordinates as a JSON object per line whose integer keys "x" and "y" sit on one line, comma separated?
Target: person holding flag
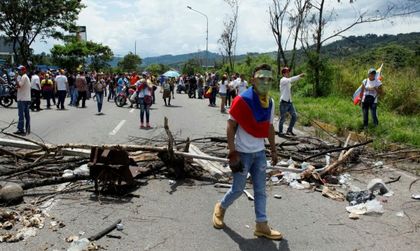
{"x": 250, "y": 122}
{"x": 370, "y": 90}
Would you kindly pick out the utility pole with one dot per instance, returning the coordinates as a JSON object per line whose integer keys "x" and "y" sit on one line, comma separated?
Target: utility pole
{"x": 207, "y": 32}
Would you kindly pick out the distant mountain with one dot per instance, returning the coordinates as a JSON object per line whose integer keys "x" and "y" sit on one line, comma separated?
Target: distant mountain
{"x": 341, "y": 48}
{"x": 358, "y": 44}
{"x": 179, "y": 59}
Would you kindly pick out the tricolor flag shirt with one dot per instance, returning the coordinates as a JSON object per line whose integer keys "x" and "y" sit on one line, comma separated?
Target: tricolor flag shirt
{"x": 253, "y": 120}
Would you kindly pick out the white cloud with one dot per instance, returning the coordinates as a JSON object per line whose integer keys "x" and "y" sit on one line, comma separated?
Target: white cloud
{"x": 168, "y": 27}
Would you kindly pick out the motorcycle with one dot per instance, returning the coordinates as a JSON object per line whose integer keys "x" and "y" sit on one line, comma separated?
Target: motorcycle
{"x": 8, "y": 93}
{"x": 122, "y": 97}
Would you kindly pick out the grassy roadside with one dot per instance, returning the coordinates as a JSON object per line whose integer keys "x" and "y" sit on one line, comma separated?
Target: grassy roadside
{"x": 345, "y": 116}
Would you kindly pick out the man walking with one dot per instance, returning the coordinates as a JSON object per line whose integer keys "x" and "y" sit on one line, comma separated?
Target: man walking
{"x": 23, "y": 101}
{"x": 62, "y": 87}
{"x": 250, "y": 122}
{"x": 286, "y": 105}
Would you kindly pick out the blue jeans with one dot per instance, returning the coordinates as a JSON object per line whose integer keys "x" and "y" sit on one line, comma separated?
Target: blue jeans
{"x": 365, "y": 108}
{"x": 284, "y": 109}
{"x": 144, "y": 109}
{"x": 23, "y": 113}
{"x": 255, "y": 164}
{"x": 99, "y": 100}
{"x": 74, "y": 94}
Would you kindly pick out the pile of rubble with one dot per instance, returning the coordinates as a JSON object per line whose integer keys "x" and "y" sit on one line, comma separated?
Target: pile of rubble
{"x": 306, "y": 163}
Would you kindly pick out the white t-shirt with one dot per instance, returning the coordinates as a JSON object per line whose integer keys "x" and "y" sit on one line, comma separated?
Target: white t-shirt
{"x": 242, "y": 86}
{"x": 61, "y": 82}
{"x": 371, "y": 83}
{"x": 285, "y": 85}
{"x": 223, "y": 86}
{"x": 245, "y": 142}
{"x": 24, "y": 90}
{"x": 35, "y": 82}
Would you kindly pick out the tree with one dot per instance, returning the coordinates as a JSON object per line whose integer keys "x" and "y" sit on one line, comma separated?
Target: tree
{"x": 191, "y": 67}
{"x": 22, "y": 21}
{"x": 157, "y": 69}
{"x": 131, "y": 62}
{"x": 313, "y": 37}
{"x": 74, "y": 53}
{"x": 229, "y": 35}
{"x": 99, "y": 54}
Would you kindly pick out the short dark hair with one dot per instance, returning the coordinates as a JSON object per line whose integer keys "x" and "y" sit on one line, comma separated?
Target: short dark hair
{"x": 262, "y": 67}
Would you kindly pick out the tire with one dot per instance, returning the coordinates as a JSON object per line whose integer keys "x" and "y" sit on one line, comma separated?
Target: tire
{"x": 6, "y": 101}
{"x": 120, "y": 101}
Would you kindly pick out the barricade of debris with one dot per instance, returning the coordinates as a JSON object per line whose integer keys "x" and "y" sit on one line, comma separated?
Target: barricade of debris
{"x": 306, "y": 163}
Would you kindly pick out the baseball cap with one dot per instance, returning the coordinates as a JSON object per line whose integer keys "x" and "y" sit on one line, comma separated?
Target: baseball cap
{"x": 372, "y": 70}
{"x": 21, "y": 68}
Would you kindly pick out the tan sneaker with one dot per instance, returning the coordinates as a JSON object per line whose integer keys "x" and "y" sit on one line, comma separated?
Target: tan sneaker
{"x": 218, "y": 215}
{"x": 263, "y": 230}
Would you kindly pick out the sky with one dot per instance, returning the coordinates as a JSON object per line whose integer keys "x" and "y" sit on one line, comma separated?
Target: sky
{"x": 160, "y": 27}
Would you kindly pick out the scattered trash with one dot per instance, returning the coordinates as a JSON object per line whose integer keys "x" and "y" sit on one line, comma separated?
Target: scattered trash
{"x": 172, "y": 182}
{"x": 290, "y": 161}
{"x": 327, "y": 159}
{"x": 289, "y": 176}
{"x": 248, "y": 195}
{"x": 296, "y": 185}
{"x": 377, "y": 184}
{"x": 247, "y": 226}
{"x": 274, "y": 179}
{"x": 372, "y": 206}
{"x": 332, "y": 193}
{"x": 72, "y": 238}
{"x": 344, "y": 178}
{"x": 277, "y": 196}
{"x": 120, "y": 226}
{"x": 82, "y": 170}
{"x": 305, "y": 184}
{"x": 389, "y": 194}
{"x": 415, "y": 196}
{"x": 378, "y": 164}
{"x": 400, "y": 214}
{"x": 355, "y": 198}
{"x": 79, "y": 245}
{"x": 354, "y": 216}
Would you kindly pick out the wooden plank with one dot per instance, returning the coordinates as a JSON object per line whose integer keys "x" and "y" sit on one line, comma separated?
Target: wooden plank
{"x": 214, "y": 168}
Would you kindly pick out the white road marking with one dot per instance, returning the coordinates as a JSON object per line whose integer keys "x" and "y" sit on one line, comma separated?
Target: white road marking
{"x": 117, "y": 128}
{"x": 132, "y": 110}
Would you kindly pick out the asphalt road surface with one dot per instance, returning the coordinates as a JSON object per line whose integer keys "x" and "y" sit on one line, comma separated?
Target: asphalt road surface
{"x": 161, "y": 216}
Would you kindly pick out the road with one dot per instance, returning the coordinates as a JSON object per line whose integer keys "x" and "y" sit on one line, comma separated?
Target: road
{"x": 161, "y": 216}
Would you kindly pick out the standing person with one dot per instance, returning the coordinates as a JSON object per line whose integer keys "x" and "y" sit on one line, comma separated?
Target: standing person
{"x": 242, "y": 85}
{"x": 111, "y": 88}
{"x": 223, "y": 92}
{"x": 81, "y": 85}
{"x": 47, "y": 86}
{"x": 72, "y": 87}
{"x": 200, "y": 87}
{"x": 62, "y": 87}
{"x": 286, "y": 104}
{"x": 371, "y": 89}
{"x": 36, "y": 92}
{"x": 250, "y": 122}
{"x": 23, "y": 101}
{"x": 166, "y": 93}
{"x": 144, "y": 89}
{"x": 99, "y": 87}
